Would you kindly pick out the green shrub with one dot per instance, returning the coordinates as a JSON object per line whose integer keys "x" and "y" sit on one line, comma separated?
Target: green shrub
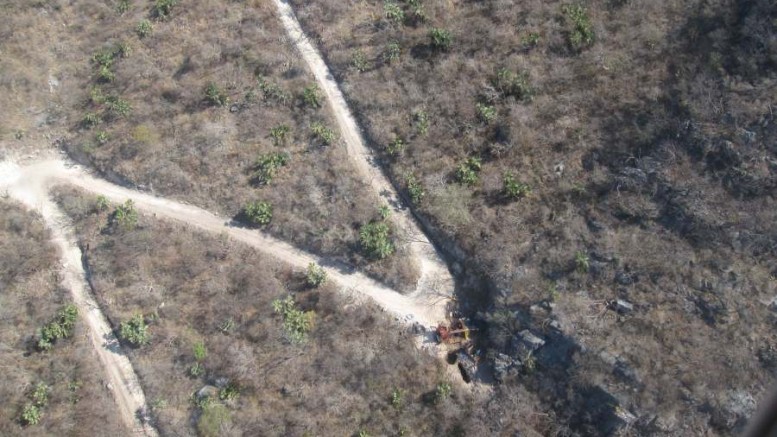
{"x": 486, "y": 113}
{"x": 61, "y": 327}
{"x": 393, "y": 12}
{"x": 31, "y": 415}
{"x": 392, "y": 52}
{"x": 416, "y": 9}
{"x": 513, "y": 84}
{"x": 123, "y": 6}
{"x": 163, "y": 8}
{"x": 118, "y": 106}
{"x": 311, "y": 95}
{"x": 395, "y": 147}
{"x": 375, "y": 240}
{"x": 267, "y": 166}
{"x": 90, "y": 120}
{"x": 215, "y": 95}
{"x": 397, "y": 398}
{"x": 104, "y": 74}
{"x": 467, "y": 171}
{"x": 126, "y": 215}
{"x": 259, "y": 212}
{"x": 359, "y": 61}
{"x": 144, "y": 28}
{"x": 135, "y": 331}
{"x": 279, "y": 134}
{"x": 421, "y": 120}
{"x": 581, "y": 262}
{"x": 196, "y": 370}
{"x": 580, "y": 32}
{"x": 414, "y": 189}
{"x": 514, "y": 189}
{"x": 316, "y": 275}
{"x": 101, "y": 204}
{"x": 273, "y": 92}
{"x": 101, "y": 137}
{"x": 532, "y": 39}
{"x": 441, "y": 39}
{"x": 40, "y": 396}
{"x": 442, "y": 392}
{"x": 296, "y": 323}
{"x": 323, "y": 133}
{"x": 230, "y": 392}
{"x": 384, "y": 211}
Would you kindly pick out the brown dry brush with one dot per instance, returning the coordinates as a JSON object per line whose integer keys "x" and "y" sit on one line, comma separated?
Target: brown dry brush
{"x": 77, "y": 399}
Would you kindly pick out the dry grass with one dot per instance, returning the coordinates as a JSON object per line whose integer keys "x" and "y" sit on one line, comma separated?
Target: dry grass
{"x": 174, "y": 141}
{"x": 338, "y": 382}
{"x": 78, "y": 401}
{"x": 640, "y": 122}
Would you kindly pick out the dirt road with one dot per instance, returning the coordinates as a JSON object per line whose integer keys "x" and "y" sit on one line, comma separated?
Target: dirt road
{"x": 435, "y": 276}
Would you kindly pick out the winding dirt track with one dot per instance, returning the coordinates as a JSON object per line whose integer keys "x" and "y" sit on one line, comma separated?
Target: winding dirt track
{"x": 30, "y": 182}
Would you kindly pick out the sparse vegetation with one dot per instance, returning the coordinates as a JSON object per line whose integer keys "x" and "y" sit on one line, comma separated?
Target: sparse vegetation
{"x": 126, "y": 216}
{"x": 61, "y": 327}
{"x": 513, "y": 188}
{"x": 580, "y": 33}
{"x": 135, "y": 331}
{"x": 316, "y": 275}
{"x": 359, "y": 61}
{"x": 163, "y": 8}
{"x": 441, "y": 39}
{"x": 267, "y": 166}
{"x": 312, "y": 96}
{"x": 144, "y": 28}
{"x": 280, "y": 134}
{"x": 259, "y": 212}
{"x": 467, "y": 171}
{"x": 296, "y": 323}
{"x": 414, "y": 189}
{"x": 324, "y": 134}
{"x": 375, "y": 238}
{"x": 215, "y": 96}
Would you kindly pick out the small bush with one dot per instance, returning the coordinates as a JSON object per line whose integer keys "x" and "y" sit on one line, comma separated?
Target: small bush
{"x": 215, "y": 95}
{"x": 384, "y": 211}
{"x": 513, "y": 84}
{"x": 40, "y": 396}
{"x": 441, "y": 39}
{"x": 514, "y": 189}
{"x": 259, "y": 212}
{"x": 486, "y": 113}
{"x": 323, "y": 133}
{"x": 580, "y": 34}
{"x": 421, "y": 120}
{"x": 414, "y": 189}
{"x": 31, "y": 415}
{"x": 392, "y": 53}
{"x": 296, "y": 323}
{"x": 126, "y": 216}
{"x": 230, "y": 392}
{"x": 199, "y": 352}
{"x": 273, "y": 92}
{"x": 375, "y": 240}
{"x": 581, "y": 262}
{"x": 61, "y": 327}
{"x": 90, "y": 120}
{"x": 397, "y": 399}
{"x": 442, "y": 392}
{"x": 135, "y": 331}
{"x": 267, "y": 166}
{"x": 311, "y": 95}
{"x": 279, "y": 134}
{"x": 316, "y": 275}
{"x": 163, "y": 8}
{"x": 101, "y": 137}
{"x": 393, "y": 12}
{"x": 144, "y": 28}
{"x": 467, "y": 171}
{"x": 395, "y": 147}
{"x": 359, "y": 61}
{"x": 104, "y": 74}
{"x": 118, "y": 106}
{"x": 101, "y": 204}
